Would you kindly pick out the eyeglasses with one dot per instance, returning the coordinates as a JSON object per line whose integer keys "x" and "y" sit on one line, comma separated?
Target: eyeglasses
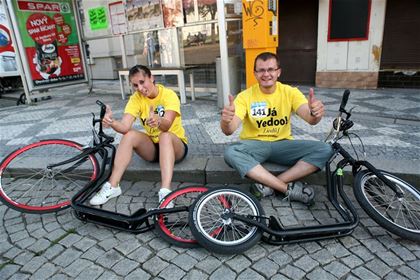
{"x": 269, "y": 71}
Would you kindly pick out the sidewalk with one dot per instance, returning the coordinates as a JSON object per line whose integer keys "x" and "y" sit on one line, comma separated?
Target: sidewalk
{"x": 58, "y": 246}
{"x": 387, "y": 120}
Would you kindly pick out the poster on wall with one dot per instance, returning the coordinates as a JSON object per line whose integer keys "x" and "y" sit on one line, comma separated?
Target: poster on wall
{"x": 143, "y": 14}
{"x": 8, "y": 65}
{"x": 117, "y": 15}
{"x": 172, "y": 13}
{"x": 168, "y": 45}
{"x": 49, "y": 42}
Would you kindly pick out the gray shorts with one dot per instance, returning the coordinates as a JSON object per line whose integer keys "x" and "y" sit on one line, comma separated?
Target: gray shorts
{"x": 246, "y": 154}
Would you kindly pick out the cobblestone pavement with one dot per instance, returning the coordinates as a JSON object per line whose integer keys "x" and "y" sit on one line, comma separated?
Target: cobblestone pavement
{"x": 58, "y": 246}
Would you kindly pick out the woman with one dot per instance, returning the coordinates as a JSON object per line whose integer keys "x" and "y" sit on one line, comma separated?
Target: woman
{"x": 164, "y": 141}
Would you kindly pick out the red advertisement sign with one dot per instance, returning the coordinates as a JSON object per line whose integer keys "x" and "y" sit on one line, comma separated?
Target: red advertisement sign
{"x": 51, "y": 41}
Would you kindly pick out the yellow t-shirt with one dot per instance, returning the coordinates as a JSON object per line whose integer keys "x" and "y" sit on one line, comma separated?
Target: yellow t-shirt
{"x": 139, "y": 107}
{"x": 266, "y": 117}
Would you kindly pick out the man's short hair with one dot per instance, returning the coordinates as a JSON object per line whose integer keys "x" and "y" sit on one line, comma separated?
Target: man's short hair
{"x": 266, "y": 56}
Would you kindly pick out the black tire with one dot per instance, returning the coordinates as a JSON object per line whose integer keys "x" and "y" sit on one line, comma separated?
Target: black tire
{"x": 399, "y": 216}
{"x": 225, "y": 236}
{"x": 27, "y": 185}
{"x": 174, "y": 227}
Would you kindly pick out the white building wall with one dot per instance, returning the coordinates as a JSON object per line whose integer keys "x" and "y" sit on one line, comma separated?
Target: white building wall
{"x": 351, "y": 56}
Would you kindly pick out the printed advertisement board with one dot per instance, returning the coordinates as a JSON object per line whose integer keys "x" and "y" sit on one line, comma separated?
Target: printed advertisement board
{"x": 49, "y": 42}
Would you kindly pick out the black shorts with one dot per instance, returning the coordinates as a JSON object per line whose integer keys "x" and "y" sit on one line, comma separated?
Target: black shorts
{"x": 156, "y": 159}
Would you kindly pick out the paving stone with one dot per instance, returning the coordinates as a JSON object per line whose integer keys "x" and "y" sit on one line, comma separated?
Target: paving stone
{"x": 55, "y": 234}
{"x": 265, "y": 267}
{"x": 155, "y": 265}
{"x": 40, "y": 245}
{"x": 223, "y": 272}
{"x": 34, "y": 264}
{"x": 45, "y": 272}
{"x": 306, "y": 263}
{"x": 17, "y": 276}
{"x": 194, "y": 274}
{"x": 378, "y": 267}
{"x": 280, "y": 258}
{"x": 109, "y": 243}
{"x": 415, "y": 265}
{"x": 364, "y": 273}
{"x": 184, "y": 261}
{"x": 208, "y": 265}
{"x": 128, "y": 246}
{"x": 24, "y": 258}
{"x": 323, "y": 256}
{"x": 158, "y": 244}
{"x": 280, "y": 277}
{"x": 320, "y": 273}
{"x": 362, "y": 253}
{"x": 373, "y": 245}
{"x": 77, "y": 267}
{"x": 12, "y": 253}
{"x": 15, "y": 237}
{"x": 91, "y": 272}
{"x": 38, "y": 233}
{"x": 25, "y": 243}
{"x": 338, "y": 269}
{"x": 295, "y": 251}
{"x": 84, "y": 244}
{"x": 172, "y": 272}
{"x": 395, "y": 276}
{"x": 70, "y": 239}
{"x": 8, "y": 270}
{"x": 53, "y": 251}
{"x": 141, "y": 254}
{"x": 108, "y": 275}
{"x": 390, "y": 258}
{"x": 239, "y": 263}
{"x": 168, "y": 254}
{"x": 352, "y": 261}
{"x": 124, "y": 267}
{"x": 338, "y": 250}
{"x": 409, "y": 272}
{"x": 109, "y": 259}
{"x": 250, "y": 274}
{"x": 67, "y": 257}
{"x": 255, "y": 253}
{"x": 403, "y": 253}
{"x": 93, "y": 254}
{"x": 292, "y": 272}
{"x": 139, "y": 274}
{"x": 5, "y": 246}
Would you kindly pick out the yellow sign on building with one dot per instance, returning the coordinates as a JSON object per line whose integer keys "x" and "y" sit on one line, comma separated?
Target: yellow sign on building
{"x": 260, "y": 32}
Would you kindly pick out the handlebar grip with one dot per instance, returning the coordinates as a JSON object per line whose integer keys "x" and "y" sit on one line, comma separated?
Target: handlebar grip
{"x": 344, "y": 100}
{"x": 103, "y": 109}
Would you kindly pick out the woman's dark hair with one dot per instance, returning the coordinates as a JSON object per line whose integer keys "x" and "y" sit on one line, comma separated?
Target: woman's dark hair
{"x": 266, "y": 56}
{"x": 139, "y": 69}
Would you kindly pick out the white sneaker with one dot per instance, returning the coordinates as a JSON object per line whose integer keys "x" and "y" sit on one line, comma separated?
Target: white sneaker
{"x": 106, "y": 193}
{"x": 163, "y": 192}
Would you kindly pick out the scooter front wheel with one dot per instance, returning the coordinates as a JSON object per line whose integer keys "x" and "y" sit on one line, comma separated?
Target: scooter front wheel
{"x": 214, "y": 226}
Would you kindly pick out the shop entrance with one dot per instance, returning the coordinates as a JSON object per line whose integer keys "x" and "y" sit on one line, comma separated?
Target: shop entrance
{"x": 297, "y": 50}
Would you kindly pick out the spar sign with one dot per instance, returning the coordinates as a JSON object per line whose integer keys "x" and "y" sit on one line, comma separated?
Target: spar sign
{"x": 51, "y": 41}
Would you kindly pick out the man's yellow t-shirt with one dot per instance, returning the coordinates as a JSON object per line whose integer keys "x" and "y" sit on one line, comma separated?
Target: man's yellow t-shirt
{"x": 139, "y": 107}
{"x": 266, "y": 117}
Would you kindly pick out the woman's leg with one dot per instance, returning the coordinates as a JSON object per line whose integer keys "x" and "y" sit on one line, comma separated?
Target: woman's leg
{"x": 132, "y": 140}
{"x": 171, "y": 149}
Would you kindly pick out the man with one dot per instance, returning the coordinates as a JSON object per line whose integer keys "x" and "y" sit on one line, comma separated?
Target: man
{"x": 265, "y": 110}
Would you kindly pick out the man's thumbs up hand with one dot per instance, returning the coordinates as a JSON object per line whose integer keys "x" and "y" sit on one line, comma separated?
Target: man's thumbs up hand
{"x": 228, "y": 111}
{"x": 316, "y": 107}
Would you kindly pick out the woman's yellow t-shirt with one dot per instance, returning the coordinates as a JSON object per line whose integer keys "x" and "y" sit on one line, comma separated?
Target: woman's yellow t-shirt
{"x": 266, "y": 117}
{"x": 139, "y": 107}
